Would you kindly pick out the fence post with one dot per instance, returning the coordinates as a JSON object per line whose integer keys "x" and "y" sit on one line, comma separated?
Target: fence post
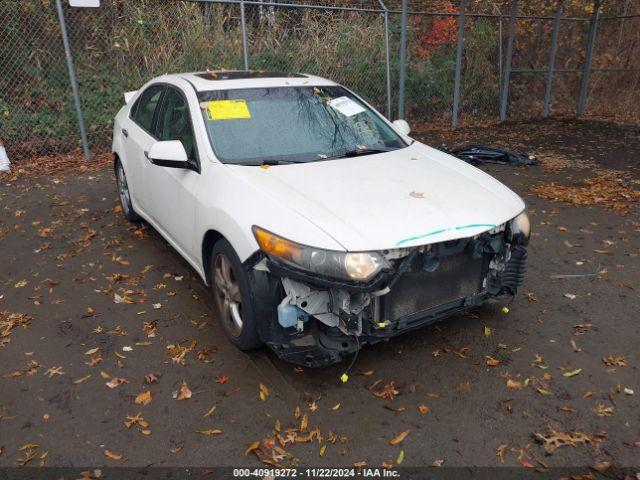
{"x": 552, "y": 59}
{"x": 387, "y": 56}
{"x": 499, "y": 52}
{"x": 72, "y": 80}
{"x": 507, "y": 69}
{"x": 456, "y": 91}
{"x": 245, "y": 52}
{"x": 403, "y": 58}
{"x": 584, "y": 84}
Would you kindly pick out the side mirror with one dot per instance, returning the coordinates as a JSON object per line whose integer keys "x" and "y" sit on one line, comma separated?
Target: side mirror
{"x": 169, "y": 154}
{"x": 402, "y": 126}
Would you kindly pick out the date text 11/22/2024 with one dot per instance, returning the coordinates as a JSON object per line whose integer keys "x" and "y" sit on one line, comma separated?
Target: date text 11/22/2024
{"x": 315, "y": 473}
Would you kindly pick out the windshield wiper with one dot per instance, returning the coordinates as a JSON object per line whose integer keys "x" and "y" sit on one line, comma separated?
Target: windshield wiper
{"x": 275, "y": 162}
{"x": 356, "y": 152}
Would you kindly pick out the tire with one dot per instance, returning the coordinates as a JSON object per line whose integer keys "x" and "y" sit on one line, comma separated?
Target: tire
{"x": 232, "y": 297}
{"x": 125, "y": 194}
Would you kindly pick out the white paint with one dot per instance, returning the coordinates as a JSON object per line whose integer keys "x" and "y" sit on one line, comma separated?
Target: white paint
{"x": 402, "y": 126}
{"x": 129, "y": 95}
{"x": 357, "y": 204}
{"x": 5, "y": 164}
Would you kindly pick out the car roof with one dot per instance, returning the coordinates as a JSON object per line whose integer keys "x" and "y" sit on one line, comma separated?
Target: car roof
{"x": 235, "y": 79}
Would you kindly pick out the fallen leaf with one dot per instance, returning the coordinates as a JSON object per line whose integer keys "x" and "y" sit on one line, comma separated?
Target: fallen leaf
{"x": 601, "y": 466}
{"x": 264, "y": 392}
{"x": 221, "y": 379}
{"x": 492, "y": 362}
{"x": 150, "y": 378}
{"x": 252, "y": 447}
{"x": 422, "y": 408}
{"x": 210, "y": 411}
{"x": 54, "y": 371}
{"x": 143, "y": 398}
{"x": 614, "y": 361}
{"x": 82, "y": 379}
{"x": 574, "y": 346}
{"x": 114, "y": 456}
{"x": 572, "y": 373}
{"x": 212, "y": 431}
{"x": 554, "y": 439}
{"x": 184, "y": 392}
{"x": 570, "y": 296}
{"x": 602, "y": 410}
{"x": 399, "y": 438}
{"x": 514, "y": 384}
{"x": 388, "y": 391}
{"x": 502, "y": 451}
{"x": 400, "y": 458}
{"x": 116, "y": 381}
{"x": 566, "y": 409}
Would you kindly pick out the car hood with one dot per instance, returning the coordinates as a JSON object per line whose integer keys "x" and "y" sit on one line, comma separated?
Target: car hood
{"x": 412, "y": 196}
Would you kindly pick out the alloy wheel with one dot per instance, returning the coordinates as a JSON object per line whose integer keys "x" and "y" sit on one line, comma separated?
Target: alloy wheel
{"x": 123, "y": 189}
{"x": 227, "y": 295}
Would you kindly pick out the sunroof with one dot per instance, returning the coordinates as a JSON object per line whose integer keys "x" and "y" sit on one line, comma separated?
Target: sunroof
{"x": 240, "y": 75}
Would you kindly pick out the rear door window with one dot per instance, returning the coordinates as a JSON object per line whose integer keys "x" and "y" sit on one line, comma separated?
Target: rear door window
{"x": 146, "y": 106}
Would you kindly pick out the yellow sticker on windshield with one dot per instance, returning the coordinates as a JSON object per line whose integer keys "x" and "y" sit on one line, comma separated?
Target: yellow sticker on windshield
{"x": 228, "y": 110}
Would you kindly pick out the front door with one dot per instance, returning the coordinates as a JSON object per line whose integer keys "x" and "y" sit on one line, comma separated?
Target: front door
{"x": 170, "y": 191}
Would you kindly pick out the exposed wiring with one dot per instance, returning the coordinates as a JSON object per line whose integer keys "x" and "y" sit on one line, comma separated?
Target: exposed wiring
{"x": 345, "y": 376}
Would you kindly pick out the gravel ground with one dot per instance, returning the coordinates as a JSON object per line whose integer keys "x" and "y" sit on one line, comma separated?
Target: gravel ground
{"x": 471, "y": 391}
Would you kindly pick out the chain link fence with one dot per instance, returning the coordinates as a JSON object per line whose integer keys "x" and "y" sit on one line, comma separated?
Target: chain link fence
{"x": 120, "y": 45}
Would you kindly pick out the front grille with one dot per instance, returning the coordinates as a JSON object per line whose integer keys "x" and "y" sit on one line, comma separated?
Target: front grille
{"x": 417, "y": 291}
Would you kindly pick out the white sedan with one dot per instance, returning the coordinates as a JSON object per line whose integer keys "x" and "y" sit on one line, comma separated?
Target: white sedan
{"x": 319, "y": 225}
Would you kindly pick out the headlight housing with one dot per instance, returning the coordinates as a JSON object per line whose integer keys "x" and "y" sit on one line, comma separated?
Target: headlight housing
{"x": 520, "y": 229}
{"x": 354, "y": 266}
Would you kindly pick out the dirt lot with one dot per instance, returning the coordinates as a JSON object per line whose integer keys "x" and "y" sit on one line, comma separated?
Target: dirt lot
{"x": 95, "y": 301}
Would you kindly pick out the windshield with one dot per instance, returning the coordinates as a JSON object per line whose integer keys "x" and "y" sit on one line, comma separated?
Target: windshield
{"x": 292, "y": 124}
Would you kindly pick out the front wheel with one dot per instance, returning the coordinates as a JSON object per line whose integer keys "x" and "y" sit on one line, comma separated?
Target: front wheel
{"x": 125, "y": 195}
{"x": 232, "y": 298}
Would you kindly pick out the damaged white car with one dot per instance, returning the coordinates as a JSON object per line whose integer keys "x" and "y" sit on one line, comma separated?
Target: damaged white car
{"x": 319, "y": 225}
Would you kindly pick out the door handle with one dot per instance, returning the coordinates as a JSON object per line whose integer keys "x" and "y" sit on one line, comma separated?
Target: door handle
{"x": 125, "y": 132}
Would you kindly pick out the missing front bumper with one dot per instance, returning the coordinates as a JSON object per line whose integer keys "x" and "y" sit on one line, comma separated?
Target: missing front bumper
{"x": 427, "y": 285}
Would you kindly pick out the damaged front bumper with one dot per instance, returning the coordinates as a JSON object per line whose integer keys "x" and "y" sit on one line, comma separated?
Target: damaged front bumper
{"x": 314, "y": 321}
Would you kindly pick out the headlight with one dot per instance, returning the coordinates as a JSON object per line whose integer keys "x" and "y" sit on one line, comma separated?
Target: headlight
{"x": 360, "y": 266}
{"x": 520, "y": 228}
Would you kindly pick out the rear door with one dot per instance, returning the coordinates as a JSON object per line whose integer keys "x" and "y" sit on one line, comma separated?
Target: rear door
{"x": 138, "y": 138}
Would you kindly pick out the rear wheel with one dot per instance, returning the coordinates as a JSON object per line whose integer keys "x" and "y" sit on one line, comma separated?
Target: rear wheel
{"x": 232, "y": 298}
{"x": 125, "y": 194}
